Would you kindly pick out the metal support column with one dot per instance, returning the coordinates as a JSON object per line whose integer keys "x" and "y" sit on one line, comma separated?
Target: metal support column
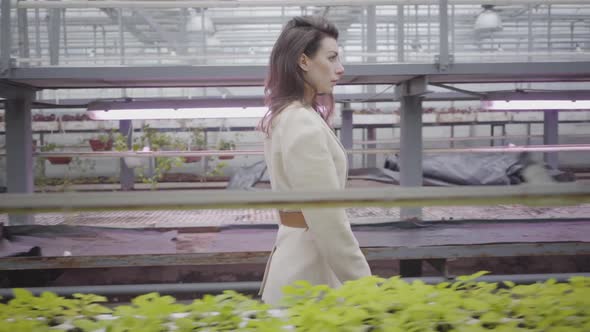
{"x": 371, "y": 46}
{"x": 551, "y": 136}
{"x": 400, "y": 33}
{"x": 23, "y": 35}
{"x": 53, "y": 32}
{"x": 443, "y": 57}
{"x": 127, "y": 175}
{"x": 346, "y": 130}
{"x": 410, "y": 93}
{"x": 371, "y": 136}
{"x": 6, "y": 41}
{"x": 410, "y": 158}
{"x": 19, "y": 153}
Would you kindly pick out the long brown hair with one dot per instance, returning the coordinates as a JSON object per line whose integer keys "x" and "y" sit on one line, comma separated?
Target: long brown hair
{"x": 284, "y": 82}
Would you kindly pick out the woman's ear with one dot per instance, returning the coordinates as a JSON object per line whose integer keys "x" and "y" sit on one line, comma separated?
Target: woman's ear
{"x": 303, "y": 62}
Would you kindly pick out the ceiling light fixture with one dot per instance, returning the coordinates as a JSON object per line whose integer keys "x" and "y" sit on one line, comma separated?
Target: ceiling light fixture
{"x": 488, "y": 20}
{"x": 177, "y": 113}
{"x": 517, "y": 105}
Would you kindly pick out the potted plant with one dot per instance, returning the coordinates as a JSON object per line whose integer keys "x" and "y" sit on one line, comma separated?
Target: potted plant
{"x": 103, "y": 142}
{"x": 120, "y": 145}
{"x": 197, "y": 143}
{"x": 55, "y": 160}
{"x": 226, "y": 145}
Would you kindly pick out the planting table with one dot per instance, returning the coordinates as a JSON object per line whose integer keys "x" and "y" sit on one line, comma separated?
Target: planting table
{"x": 410, "y": 243}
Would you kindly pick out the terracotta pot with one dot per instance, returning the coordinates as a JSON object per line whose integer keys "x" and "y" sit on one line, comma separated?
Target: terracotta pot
{"x": 59, "y": 160}
{"x": 193, "y": 159}
{"x": 98, "y": 145}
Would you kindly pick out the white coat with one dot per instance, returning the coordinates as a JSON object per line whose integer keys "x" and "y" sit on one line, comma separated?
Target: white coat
{"x": 303, "y": 153}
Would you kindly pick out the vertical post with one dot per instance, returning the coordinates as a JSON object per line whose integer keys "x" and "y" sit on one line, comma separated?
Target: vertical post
{"x": 528, "y": 133}
{"x": 400, "y": 33}
{"x": 549, "y": 22}
{"x": 38, "y": 36}
{"x": 551, "y": 136}
{"x": 410, "y": 160}
{"x": 121, "y": 35}
{"x": 371, "y": 45}
{"x": 492, "y": 140}
{"x": 443, "y": 56}
{"x": 127, "y": 175}
{"x": 53, "y": 32}
{"x": 204, "y": 40}
{"x": 452, "y": 27}
{"x": 452, "y": 142}
{"x": 64, "y": 31}
{"x": 346, "y": 130}
{"x": 206, "y": 158}
{"x": 411, "y": 150}
{"x": 23, "y": 35}
{"x": 530, "y": 33}
{"x": 428, "y": 46}
{"x": 371, "y": 136}
{"x": 409, "y": 92}
{"x": 19, "y": 153}
{"x": 6, "y": 42}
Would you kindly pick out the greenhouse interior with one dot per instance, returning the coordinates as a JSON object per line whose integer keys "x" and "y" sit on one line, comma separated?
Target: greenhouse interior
{"x": 135, "y": 193}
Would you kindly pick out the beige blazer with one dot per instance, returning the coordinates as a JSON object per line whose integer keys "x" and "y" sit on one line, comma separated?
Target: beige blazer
{"x": 303, "y": 153}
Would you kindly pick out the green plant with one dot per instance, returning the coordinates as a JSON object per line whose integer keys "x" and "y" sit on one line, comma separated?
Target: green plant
{"x": 120, "y": 143}
{"x": 226, "y": 145}
{"x": 217, "y": 170}
{"x": 48, "y": 147}
{"x": 198, "y": 138}
{"x": 368, "y": 304}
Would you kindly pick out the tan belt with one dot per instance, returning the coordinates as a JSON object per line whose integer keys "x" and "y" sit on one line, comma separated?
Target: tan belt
{"x": 293, "y": 219}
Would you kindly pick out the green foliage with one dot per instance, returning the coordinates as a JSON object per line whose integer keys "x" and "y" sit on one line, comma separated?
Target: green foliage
{"x": 120, "y": 143}
{"x": 226, "y": 145}
{"x": 198, "y": 138}
{"x": 48, "y": 147}
{"x": 218, "y": 169}
{"x": 368, "y": 304}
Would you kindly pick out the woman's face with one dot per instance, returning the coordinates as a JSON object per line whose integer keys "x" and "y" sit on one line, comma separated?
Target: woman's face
{"x": 323, "y": 70}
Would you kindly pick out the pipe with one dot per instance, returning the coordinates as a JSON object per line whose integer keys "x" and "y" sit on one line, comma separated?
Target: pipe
{"x": 265, "y": 3}
{"x": 254, "y": 286}
{"x": 216, "y": 153}
{"x": 532, "y": 194}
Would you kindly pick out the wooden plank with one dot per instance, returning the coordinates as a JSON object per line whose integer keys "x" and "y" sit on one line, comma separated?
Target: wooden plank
{"x": 260, "y": 257}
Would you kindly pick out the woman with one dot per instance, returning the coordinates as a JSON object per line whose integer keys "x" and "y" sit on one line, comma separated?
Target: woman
{"x": 303, "y": 153}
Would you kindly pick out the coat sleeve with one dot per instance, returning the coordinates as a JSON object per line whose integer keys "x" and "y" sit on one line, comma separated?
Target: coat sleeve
{"x": 309, "y": 165}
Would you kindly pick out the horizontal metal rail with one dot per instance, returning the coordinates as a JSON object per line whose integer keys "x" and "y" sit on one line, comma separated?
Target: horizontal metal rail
{"x": 217, "y": 153}
{"x": 549, "y": 194}
{"x": 254, "y": 286}
{"x": 260, "y": 257}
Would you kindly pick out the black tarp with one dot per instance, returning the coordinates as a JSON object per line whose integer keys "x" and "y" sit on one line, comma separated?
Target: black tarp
{"x": 451, "y": 169}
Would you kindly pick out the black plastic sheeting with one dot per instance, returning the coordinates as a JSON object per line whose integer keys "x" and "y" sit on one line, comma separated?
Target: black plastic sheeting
{"x": 476, "y": 169}
{"x": 247, "y": 177}
{"x": 438, "y": 170}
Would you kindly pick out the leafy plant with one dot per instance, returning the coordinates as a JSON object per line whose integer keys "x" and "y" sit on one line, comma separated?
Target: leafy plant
{"x": 198, "y": 138}
{"x": 48, "y": 147}
{"x": 368, "y": 304}
{"x": 120, "y": 143}
{"x": 226, "y": 145}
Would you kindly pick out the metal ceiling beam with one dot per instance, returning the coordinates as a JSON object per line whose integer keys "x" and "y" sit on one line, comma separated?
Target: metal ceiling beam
{"x": 10, "y": 90}
{"x": 255, "y": 101}
{"x": 127, "y": 23}
{"x": 268, "y": 3}
{"x": 228, "y": 75}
